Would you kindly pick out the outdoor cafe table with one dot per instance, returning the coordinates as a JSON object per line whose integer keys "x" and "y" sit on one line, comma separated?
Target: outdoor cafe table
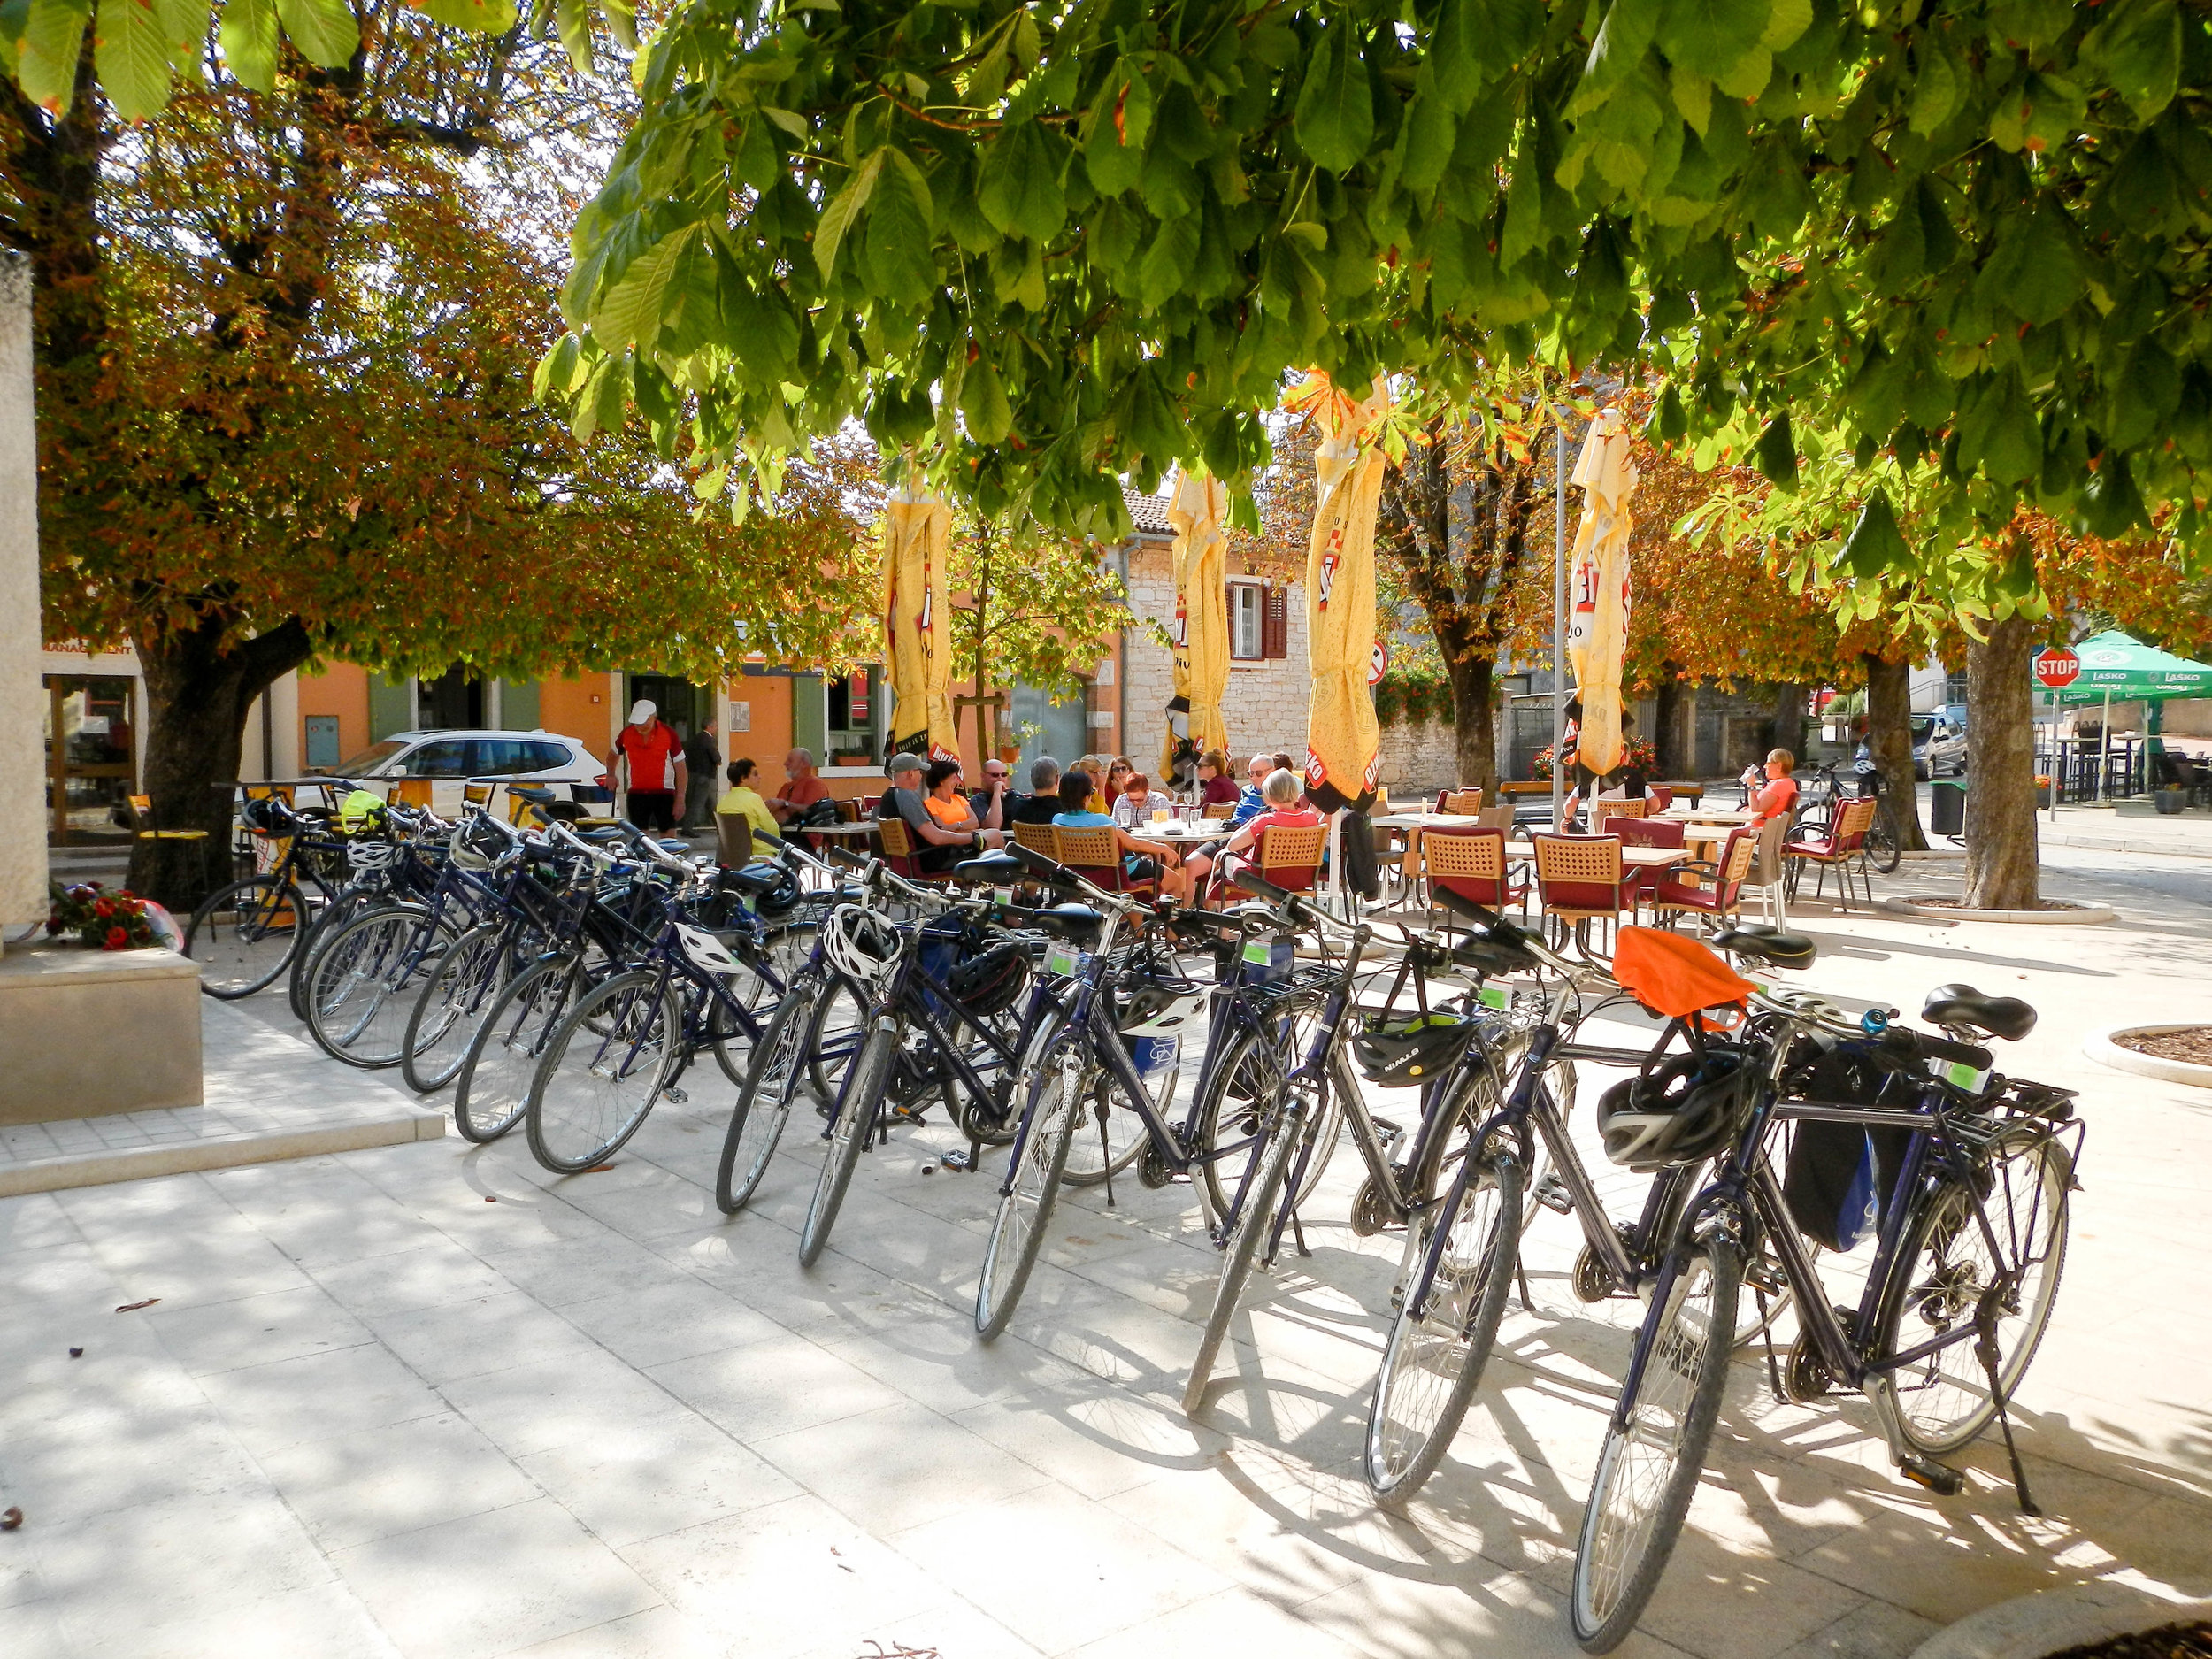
{"x": 1729, "y": 818}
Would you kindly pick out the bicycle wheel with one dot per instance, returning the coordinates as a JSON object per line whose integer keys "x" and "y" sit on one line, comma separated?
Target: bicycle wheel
{"x": 493, "y": 1088}
{"x": 763, "y": 1099}
{"x": 1435, "y": 1358}
{"x": 1943, "y": 1400}
{"x": 856, "y": 1106}
{"x": 244, "y": 935}
{"x": 1655, "y": 1449}
{"x": 837, "y": 1032}
{"x": 1884, "y": 847}
{"x": 1055, "y": 1112}
{"x": 1253, "y": 1222}
{"x": 320, "y": 928}
{"x": 1232, "y": 1107}
{"x": 583, "y": 1106}
{"x": 357, "y": 1002}
{"x": 442, "y": 1027}
{"x": 1093, "y": 1157}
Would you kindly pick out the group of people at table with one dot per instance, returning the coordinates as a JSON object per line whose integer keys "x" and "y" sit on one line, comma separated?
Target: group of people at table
{"x": 947, "y": 823}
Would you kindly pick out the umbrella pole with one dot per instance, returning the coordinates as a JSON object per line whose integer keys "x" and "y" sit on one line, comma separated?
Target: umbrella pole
{"x": 1559, "y": 622}
{"x": 2104, "y": 746}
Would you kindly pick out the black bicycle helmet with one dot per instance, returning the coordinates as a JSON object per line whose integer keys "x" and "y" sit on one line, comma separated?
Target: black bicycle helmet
{"x": 1683, "y": 1110}
{"x": 993, "y": 979}
{"x": 1400, "y": 1053}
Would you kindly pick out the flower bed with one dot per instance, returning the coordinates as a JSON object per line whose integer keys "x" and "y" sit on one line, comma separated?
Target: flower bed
{"x": 112, "y": 921}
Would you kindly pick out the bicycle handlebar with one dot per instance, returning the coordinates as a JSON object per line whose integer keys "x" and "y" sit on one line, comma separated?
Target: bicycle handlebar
{"x": 1901, "y": 1042}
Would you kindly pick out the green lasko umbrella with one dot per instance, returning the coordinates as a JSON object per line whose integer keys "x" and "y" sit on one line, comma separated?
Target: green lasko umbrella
{"x": 2118, "y": 666}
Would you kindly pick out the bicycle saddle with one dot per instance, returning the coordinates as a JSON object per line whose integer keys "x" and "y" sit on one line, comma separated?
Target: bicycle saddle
{"x": 1077, "y": 922}
{"x": 1783, "y": 950}
{"x": 2006, "y": 1017}
{"x": 998, "y": 868}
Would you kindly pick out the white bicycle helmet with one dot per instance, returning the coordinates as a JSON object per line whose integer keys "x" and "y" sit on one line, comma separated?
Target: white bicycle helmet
{"x": 370, "y": 854}
{"x": 1163, "y": 1007}
{"x": 704, "y": 950}
{"x": 858, "y": 944}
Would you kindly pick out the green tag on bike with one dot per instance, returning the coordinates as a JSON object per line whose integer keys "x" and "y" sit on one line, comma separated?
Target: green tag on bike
{"x": 1961, "y": 1075}
{"x": 1061, "y": 961}
{"x": 1255, "y": 952}
{"x": 1492, "y": 996}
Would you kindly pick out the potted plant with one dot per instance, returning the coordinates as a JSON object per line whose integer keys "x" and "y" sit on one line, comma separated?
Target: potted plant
{"x": 2169, "y": 799}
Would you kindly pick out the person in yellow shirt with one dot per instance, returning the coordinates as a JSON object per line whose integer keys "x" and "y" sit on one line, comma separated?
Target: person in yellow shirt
{"x": 741, "y": 800}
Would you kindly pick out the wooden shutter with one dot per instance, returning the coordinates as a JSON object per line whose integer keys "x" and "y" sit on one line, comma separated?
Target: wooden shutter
{"x": 1274, "y": 621}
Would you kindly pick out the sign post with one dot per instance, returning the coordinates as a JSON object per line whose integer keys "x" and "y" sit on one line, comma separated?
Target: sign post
{"x": 2056, "y": 667}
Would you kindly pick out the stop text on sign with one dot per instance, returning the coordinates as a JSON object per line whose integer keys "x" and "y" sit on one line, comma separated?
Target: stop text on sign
{"x": 2056, "y": 668}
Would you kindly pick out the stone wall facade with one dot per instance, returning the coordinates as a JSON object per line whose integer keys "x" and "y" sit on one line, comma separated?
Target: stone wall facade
{"x": 1418, "y": 758}
{"x": 1265, "y": 707}
{"x": 22, "y": 762}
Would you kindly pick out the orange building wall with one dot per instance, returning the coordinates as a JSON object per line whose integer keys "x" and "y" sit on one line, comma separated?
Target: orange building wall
{"x": 770, "y": 739}
{"x": 344, "y": 690}
{"x": 578, "y": 708}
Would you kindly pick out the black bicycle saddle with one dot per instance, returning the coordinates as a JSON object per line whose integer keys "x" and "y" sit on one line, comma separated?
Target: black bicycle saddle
{"x": 2006, "y": 1017}
{"x": 1784, "y": 951}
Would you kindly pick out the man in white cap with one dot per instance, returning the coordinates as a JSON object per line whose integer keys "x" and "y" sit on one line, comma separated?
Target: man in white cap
{"x": 658, "y": 776}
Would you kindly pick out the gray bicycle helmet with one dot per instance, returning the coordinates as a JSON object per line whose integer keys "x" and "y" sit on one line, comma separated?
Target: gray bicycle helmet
{"x": 1403, "y": 1052}
{"x": 1683, "y": 1111}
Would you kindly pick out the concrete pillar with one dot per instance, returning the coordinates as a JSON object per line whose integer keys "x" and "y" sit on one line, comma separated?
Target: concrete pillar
{"x": 285, "y": 759}
{"x": 22, "y": 769}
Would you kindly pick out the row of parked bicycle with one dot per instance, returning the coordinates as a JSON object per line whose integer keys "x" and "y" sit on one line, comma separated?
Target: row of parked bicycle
{"x": 567, "y": 981}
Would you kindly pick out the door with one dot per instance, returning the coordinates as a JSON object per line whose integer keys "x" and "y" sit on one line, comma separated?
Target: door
{"x": 453, "y": 702}
{"x": 91, "y": 756}
{"x": 679, "y": 703}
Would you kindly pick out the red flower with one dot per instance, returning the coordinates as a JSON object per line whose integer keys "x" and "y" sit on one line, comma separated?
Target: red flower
{"x": 103, "y": 909}
{"x": 117, "y": 939}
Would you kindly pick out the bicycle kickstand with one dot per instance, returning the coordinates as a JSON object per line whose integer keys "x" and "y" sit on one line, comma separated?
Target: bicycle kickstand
{"x": 1105, "y": 1152}
{"x": 1298, "y": 1232}
{"x": 1986, "y": 1348}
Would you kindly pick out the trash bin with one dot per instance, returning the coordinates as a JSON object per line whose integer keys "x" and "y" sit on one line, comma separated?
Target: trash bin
{"x": 1947, "y": 807}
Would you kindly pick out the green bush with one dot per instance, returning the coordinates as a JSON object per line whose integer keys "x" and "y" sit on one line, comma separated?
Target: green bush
{"x": 1412, "y": 696}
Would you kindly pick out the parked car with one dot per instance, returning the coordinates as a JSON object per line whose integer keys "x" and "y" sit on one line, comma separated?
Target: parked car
{"x": 449, "y": 758}
{"x": 1938, "y": 745}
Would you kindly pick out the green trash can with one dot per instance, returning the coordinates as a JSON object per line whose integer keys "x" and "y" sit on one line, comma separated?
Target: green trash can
{"x": 1947, "y": 807}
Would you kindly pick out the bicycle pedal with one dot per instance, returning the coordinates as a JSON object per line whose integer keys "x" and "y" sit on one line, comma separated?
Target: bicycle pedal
{"x": 1940, "y": 1478}
{"x": 1551, "y": 1192}
{"x": 958, "y": 1160}
{"x": 673, "y": 1092}
{"x": 908, "y": 1113}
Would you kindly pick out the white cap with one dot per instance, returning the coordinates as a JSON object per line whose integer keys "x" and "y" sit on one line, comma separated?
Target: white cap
{"x": 642, "y": 710}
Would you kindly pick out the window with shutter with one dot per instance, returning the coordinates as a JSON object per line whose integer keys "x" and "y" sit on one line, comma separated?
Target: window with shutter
{"x": 1275, "y": 626}
{"x": 1247, "y": 631}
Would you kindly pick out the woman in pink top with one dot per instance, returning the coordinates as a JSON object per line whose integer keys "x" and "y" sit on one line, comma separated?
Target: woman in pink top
{"x": 1778, "y": 794}
{"x": 1279, "y": 794}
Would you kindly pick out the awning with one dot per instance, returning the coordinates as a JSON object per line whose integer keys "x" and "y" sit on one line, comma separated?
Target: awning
{"x": 2120, "y": 666}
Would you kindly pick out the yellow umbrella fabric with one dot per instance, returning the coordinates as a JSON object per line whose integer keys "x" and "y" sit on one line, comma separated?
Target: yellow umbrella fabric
{"x": 1198, "y": 510}
{"x": 1342, "y": 741}
{"x": 915, "y": 606}
{"x": 1597, "y": 632}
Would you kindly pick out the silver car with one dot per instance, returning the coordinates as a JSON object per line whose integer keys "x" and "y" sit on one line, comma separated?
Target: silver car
{"x": 451, "y": 758}
{"x": 1938, "y": 745}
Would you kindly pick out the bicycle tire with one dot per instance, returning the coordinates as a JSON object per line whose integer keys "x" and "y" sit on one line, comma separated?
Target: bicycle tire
{"x": 574, "y": 1122}
{"x": 1218, "y": 1107}
{"x": 1936, "y": 1298}
{"x": 1609, "y": 1593}
{"x": 244, "y": 936}
{"x": 1062, "y": 1088}
{"x": 839, "y": 1031}
{"x": 356, "y": 1005}
{"x": 1432, "y": 1365}
{"x": 325, "y": 922}
{"x": 1885, "y": 847}
{"x": 492, "y": 1090}
{"x": 850, "y": 1128}
{"x": 756, "y": 1125}
{"x": 1253, "y": 1222}
{"x": 452, "y": 1003}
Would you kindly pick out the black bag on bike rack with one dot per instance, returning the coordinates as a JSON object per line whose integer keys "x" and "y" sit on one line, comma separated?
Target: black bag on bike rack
{"x": 1839, "y": 1177}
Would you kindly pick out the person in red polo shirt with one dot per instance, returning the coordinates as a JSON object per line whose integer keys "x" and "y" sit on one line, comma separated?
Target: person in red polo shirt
{"x": 658, "y": 776}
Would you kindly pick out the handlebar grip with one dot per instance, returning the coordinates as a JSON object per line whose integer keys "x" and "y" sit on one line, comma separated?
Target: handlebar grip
{"x": 846, "y": 856}
{"x": 1902, "y": 1042}
{"x": 1282, "y": 898}
{"x": 1050, "y": 870}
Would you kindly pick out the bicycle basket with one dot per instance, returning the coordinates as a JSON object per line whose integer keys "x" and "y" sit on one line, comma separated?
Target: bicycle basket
{"x": 991, "y": 981}
{"x": 1403, "y": 1052}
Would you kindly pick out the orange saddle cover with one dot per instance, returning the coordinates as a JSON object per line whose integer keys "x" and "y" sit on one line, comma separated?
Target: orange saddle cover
{"x": 1675, "y": 977}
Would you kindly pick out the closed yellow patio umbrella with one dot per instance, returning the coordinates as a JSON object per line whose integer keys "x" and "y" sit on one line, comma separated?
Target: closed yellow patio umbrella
{"x": 915, "y": 528}
{"x": 1342, "y": 741}
{"x": 1198, "y": 510}
{"x": 1597, "y": 632}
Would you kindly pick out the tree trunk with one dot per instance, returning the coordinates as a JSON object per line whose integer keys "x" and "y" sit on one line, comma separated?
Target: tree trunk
{"x": 1789, "y": 721}
{"x": 1668, "y": 741}
{"x": 197, "y": 697}
{"x": 1889, "y": 734}
{"x": 1475, "y": 728}
{"x": 2000, "y": 839}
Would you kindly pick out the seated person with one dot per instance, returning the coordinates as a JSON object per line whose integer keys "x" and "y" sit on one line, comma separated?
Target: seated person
{"x": 1043, "y": 802}
{"x": 1777, "y": 796}
{"x": 741, "y": 800}
{"x": 1135, "y": 806}
{"x": 1282, "y": 793}
{"x": 1094, "y": 767}
{"x": 938, "y": 848}
{"x": 1117, "y": 775}
{"x": 1214, "y": 785}
{"x": 801, "y": 788}
{"x": 1141, "y": 860}
{"x": 1251, "y": 802}
{"x": 943, "y": 800}
{"x": 996, "y": 803}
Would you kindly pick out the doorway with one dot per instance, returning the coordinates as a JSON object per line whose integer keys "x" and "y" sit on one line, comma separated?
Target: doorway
{"x": 453, "y": 702}
{"x": 682, "y": 704}
{"x": 91, "y": 756}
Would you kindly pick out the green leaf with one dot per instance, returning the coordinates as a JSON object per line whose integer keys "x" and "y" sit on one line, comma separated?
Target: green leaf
{"x": 1167, "y": 263}
{"x": 1787, "y": 23}
{"x": 247, "y": 35}
{"x": 1020, "y": 190}
{"x": 1935, "y": 89}
{"x": 184, "y": 33}
{"x": 481, "y": 17}
{"x": 557, "y": 369}
{"x": 572, "y": 19}
{"x": 324, "y": 31}
{"x": 1623, "y": 39}
{"x": 629, "y": 311}
{"x": 1713, "y": 38}
{"x": 1776, "y": 452}
{"x": 2139, "y": 46}
{"x": 52, "y": 37}
{"x": 1113, "y": 165}
{"x": 1693, "y": 96}
{"x": 1431, "y": 132}
{"x": 1335, "y": 120}
{"x": 844, "y": 207}
{"x": 1455, "y": 57}
{"x": 900, "y": 261}
{"x": 1874, "y": 546}
{"x": 2034, "y": 272}
{"x": 132, "y": 57}
{"x": 983, "y": 403}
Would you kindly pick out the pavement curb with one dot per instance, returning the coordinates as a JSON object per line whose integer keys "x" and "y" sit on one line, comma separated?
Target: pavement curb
{"x": 2050, "y": 1621}
{"x": 2087, "y": 915}
{"x": 215, "y": 1152}
{"x": 2100, "y": 1046}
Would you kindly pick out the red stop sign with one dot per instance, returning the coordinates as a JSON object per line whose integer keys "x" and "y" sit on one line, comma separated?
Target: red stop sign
{"x": 2056, "y": 668}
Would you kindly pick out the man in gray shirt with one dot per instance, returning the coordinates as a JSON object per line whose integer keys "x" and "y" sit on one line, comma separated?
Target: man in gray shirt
{"x": 940, "y": 848}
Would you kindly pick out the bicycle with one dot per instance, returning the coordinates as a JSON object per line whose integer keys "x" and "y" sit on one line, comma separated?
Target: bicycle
{"x": 244, "y": 935}
{"x": 1944, "y": 1275}
{"x": 1816, "y": 815}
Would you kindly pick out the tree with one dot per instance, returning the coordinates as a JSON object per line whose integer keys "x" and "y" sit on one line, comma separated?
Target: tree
{"x": 284, "y": 350}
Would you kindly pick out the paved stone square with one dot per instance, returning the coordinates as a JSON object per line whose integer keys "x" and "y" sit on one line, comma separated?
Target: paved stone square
{"x": 426, "y": 1400}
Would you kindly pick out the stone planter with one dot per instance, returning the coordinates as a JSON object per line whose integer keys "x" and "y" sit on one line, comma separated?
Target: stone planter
{"x": 84, "y": 1034}
{"x": 2171, "y": 802}
{"x": 2102, "y": 1046}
